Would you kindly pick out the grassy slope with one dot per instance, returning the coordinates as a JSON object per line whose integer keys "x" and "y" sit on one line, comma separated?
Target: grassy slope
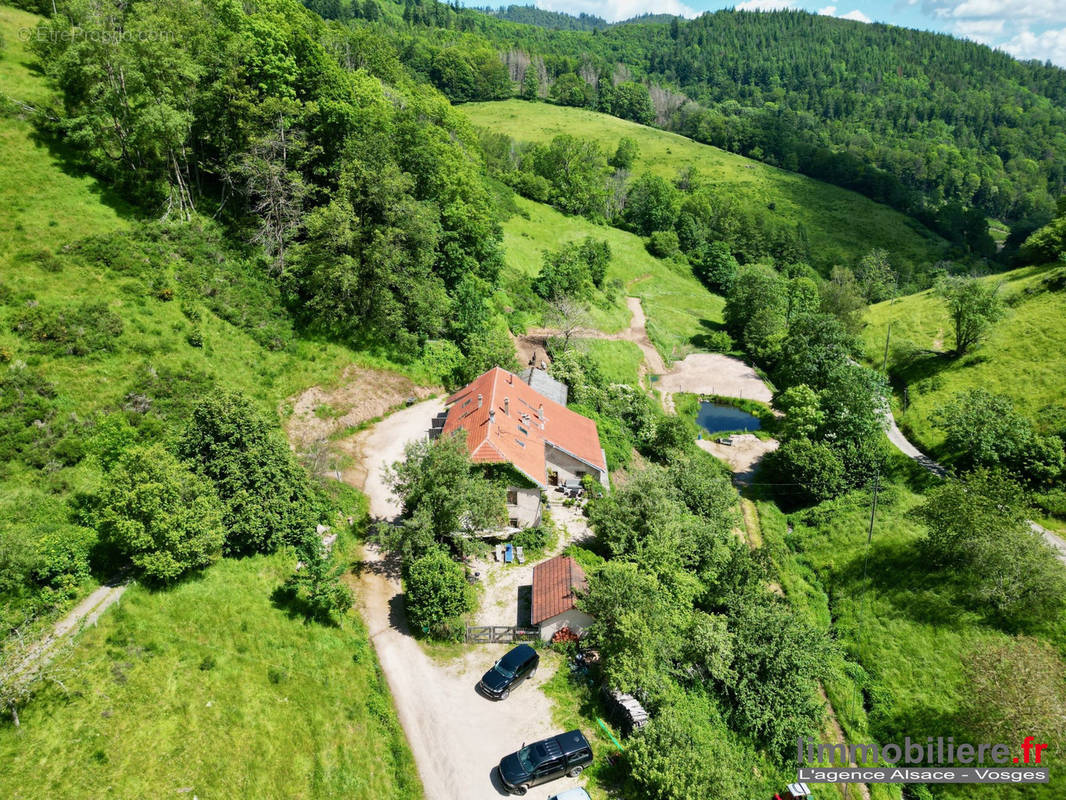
{"x": 841, "y": 225}
{"x": 906, "y": 625}
{"x": 142, "y": 718}
{"x": 1023, "y": 358}
{"x": 619, "y": 361}
{"x": 43, "y": 204}
{"x": 678, "y": 306}
{"x": 210, "y": 689}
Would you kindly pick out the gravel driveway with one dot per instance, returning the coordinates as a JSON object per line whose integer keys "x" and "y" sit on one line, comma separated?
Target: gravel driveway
{"x": 457, "y": 736}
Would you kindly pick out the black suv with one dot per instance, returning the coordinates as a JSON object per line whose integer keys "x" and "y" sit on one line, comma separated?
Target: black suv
{"x": 566, "y": 754}
{"x": 520, "y": 663}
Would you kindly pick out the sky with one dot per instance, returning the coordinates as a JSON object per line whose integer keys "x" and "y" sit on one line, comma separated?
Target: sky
{"x": 1024, "y": 28}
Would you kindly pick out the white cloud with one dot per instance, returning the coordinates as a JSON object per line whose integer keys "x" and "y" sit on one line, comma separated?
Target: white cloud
{"x": 985, "y": 31}
{"x": 856, "y": 15}
{"x": 1049, "y": 45}
{"x": 765, "y": 5}
{"x": 831, "y": 11}
{"x": 1042, "y": 10}
{"x": 615, "y": 10}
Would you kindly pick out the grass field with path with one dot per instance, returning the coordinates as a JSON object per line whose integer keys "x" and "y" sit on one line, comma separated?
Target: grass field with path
{"x": 679, "y": 308}
{"x": 1024, "y": 356}
{"x": 210, "y": 689}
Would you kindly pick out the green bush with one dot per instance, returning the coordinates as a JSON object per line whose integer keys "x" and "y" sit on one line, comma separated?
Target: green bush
{"x": 267, "y": 497}
{"x": 161, "y": 516}
{"x": 70, "y": 330}
{"x": 535, "y": 541}
{"x": 63, "y": 556}
{"x": 436, "y": 594}
{"x": 663, "y": 244}
{"x": 814, "y": 468}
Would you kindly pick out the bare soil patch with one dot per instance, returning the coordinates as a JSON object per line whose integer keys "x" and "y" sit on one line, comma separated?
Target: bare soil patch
{"x": 713, "y": 373}
{"x": 361, "y": 394}
{"x": 743, "y": 456}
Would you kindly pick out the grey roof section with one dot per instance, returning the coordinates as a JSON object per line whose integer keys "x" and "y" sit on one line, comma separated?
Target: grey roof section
{"x": 544, "y": 383}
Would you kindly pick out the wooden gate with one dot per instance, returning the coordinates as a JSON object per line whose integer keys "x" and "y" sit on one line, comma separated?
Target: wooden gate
{"x": 489, "y": 634}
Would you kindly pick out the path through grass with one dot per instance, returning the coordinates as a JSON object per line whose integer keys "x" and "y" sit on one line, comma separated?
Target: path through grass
{"x": 210, "y": 690}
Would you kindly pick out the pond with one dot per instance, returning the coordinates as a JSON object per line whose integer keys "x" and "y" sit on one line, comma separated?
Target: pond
{"x": 716, "y": 418}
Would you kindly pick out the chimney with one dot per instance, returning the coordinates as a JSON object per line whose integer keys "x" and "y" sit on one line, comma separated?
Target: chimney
{"x": 492, "y": 417}
{"x": 507, "y": 406}
{"x": 540, "y": 412}
{"x": 479, "y": 400}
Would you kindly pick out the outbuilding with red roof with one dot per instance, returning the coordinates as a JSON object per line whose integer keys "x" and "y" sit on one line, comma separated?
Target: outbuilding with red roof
{"x": 556, "y": 585}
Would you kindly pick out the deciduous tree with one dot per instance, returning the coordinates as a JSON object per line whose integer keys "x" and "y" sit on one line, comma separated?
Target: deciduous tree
{"x": 161, "y": 516}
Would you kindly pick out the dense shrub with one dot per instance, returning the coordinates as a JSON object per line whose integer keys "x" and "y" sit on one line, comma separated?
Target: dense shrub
{"x": 70, "y": 330}
{"x": 26, "y": 399}
{"x": 162, "y": 517}
{"x": 436, "y": 594}
{"x": 535, "y": 540}
{"x": 267, "y": 498}
{"x": 984, "y": 430}
{"x": 663, "y": 244}
{"x": 814, "y": 468}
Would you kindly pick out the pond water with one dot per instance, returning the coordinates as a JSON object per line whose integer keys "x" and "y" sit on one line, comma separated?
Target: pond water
{"x": 715, "y": 418}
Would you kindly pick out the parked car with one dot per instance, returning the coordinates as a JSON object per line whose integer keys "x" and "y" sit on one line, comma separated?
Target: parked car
{"x": 566, "y": 754}
{"x": 577, "y": 793}
{"x": 517, "y": 665}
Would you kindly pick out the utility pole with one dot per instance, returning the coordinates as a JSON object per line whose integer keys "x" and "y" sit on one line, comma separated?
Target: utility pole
{"x": 888, "y": 334}
{"x": 870, "y": 532}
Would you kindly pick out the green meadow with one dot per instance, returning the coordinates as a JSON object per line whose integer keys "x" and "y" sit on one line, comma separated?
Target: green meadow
{"x": 678, "y": 307}
{"x": 841, "y": 225}
{"x": 210, "y": 689}
{"x": 906, "y": 629}
{"x": 1024, "y": 356}
{"x": 619, "y": 361}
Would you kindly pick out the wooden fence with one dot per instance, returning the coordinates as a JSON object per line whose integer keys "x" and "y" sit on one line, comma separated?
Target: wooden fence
{"x": 488, "y": 634}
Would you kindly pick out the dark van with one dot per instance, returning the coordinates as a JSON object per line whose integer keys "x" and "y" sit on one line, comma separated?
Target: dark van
{"x": 517, "y": 665}
{"x": 566, "y": 754}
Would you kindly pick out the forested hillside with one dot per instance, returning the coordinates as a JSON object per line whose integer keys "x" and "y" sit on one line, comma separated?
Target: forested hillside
{"x": 941, "y": 128}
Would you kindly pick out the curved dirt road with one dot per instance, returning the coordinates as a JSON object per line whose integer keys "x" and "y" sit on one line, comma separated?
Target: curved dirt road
{"x": 457, "y": 736}
{"x": 895, "y": 435}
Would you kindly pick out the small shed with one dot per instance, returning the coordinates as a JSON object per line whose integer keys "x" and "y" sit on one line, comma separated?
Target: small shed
{"x": 556, "y": 583}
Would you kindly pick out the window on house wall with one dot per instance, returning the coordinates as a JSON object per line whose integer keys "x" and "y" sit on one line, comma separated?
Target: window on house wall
{"x": 514, "y": 522}
{"x": 512, "y": 496}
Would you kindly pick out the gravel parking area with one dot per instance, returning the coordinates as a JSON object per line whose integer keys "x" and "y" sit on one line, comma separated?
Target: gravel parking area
{"x": 456, "y": 735}
{"x": 713, "y": 373}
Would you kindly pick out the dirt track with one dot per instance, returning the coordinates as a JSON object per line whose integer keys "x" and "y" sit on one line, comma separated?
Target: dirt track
{"x": 532, "y": 346}
{"x": 457, "y": 736}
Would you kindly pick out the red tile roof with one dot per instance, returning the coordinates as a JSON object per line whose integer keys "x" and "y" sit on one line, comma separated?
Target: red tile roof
{"x": 506, "y": 420}
{"x": 554, "y": 582}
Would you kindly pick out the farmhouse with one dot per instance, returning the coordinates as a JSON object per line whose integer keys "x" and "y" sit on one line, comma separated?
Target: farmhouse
{"x": 555, "y": 586}
{"x": 507, "y": 421}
